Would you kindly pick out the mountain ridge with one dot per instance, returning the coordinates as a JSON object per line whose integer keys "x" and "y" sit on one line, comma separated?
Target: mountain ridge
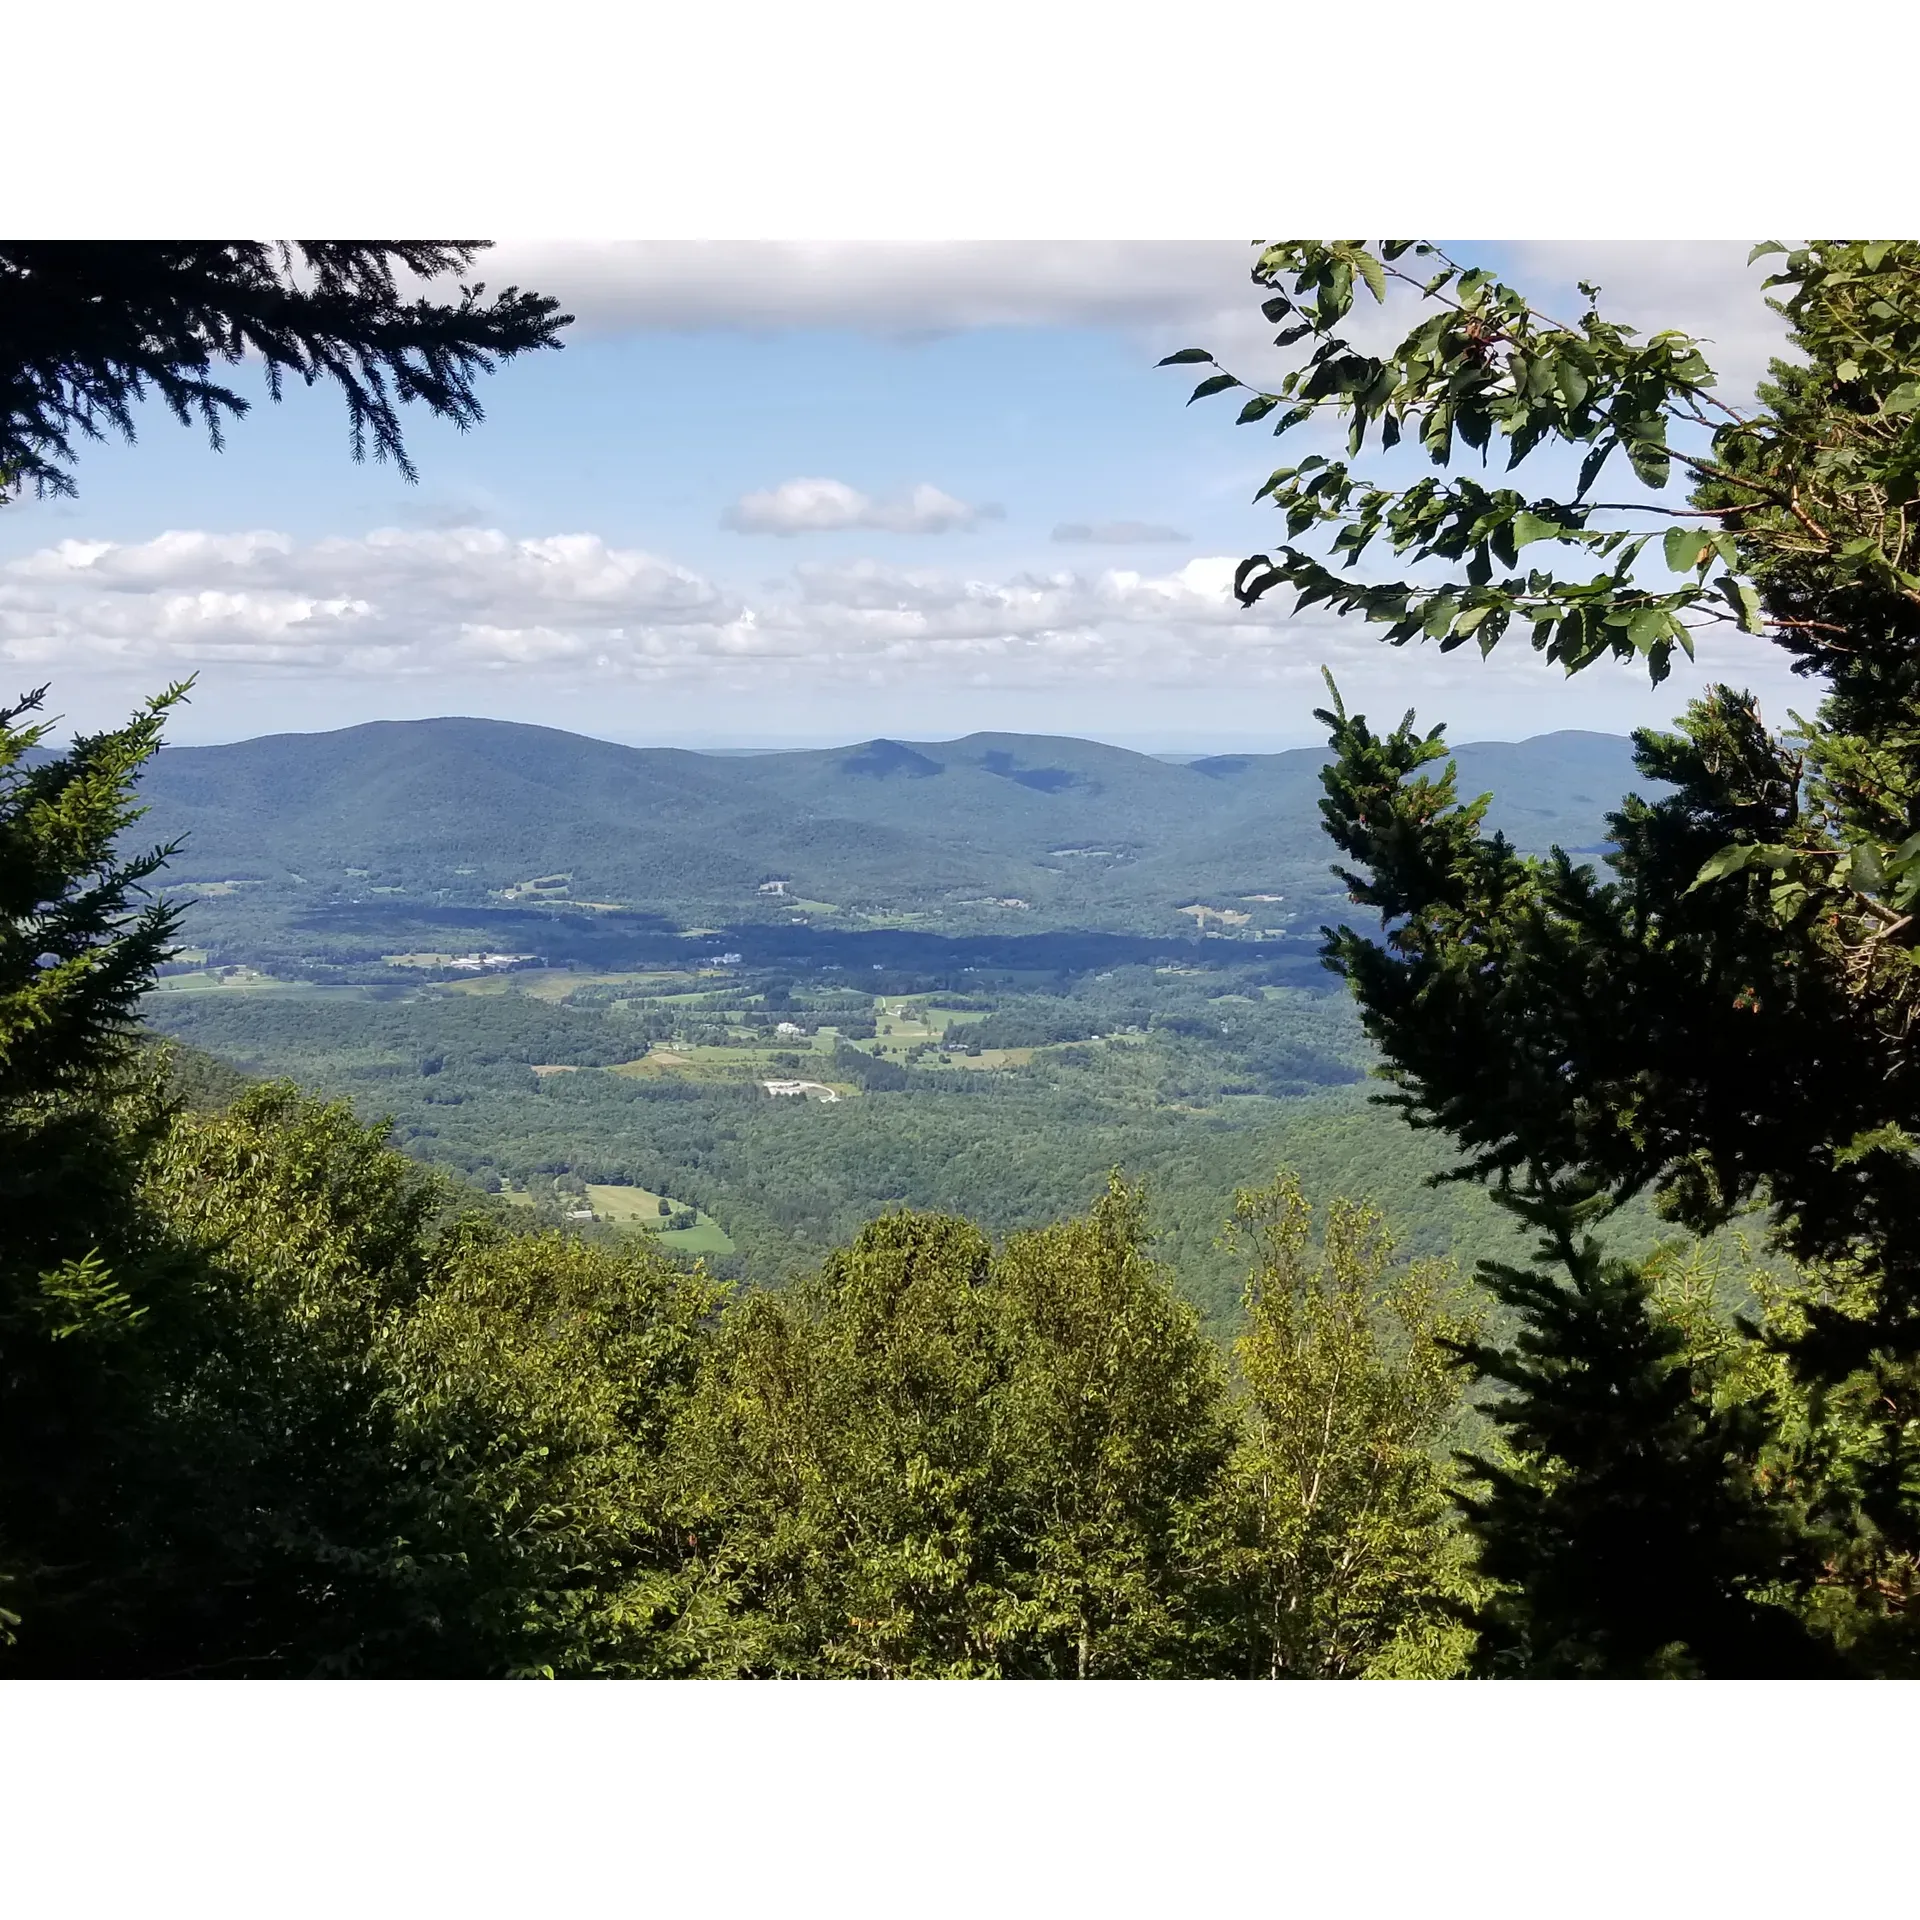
{"x": 968, "y": 829}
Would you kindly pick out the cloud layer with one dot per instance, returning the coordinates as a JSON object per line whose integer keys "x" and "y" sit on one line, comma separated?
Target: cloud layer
{"x": 570, "y": 611}
{"x": 831, "y": 506}
{"x": 1184, "y": 291}
{"x": 888, "y": 287}
{"x": 413, "y": 601}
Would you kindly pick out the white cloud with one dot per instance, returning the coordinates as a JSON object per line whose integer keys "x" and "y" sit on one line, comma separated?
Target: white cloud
{"x": 888, "y": 287}
{"x": 1117, "y": 533}
{"x": 413, "y": 601}
{"x": 570, "y": 615}
{"x": 1703, "y": 287}
{"x": 1166, "y": 292}
{"x": 393, "y": 600}
{"x": 831, "y": 506}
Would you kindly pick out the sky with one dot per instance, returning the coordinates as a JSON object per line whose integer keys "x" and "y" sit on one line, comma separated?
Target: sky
{"x": 773, "y": 493}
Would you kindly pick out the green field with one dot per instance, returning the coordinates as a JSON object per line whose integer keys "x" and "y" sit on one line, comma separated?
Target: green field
{"x": 247, "y": 980}
{"x": 640, "y": 1207}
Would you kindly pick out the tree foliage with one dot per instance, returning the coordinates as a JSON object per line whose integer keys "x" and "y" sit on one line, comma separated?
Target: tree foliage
{"x": 1726, "y": 1020}
{"x": 280, "y": 1401}
{"x": 89, "y": 328}
{"x": 931, "y": 1459}
{"x": 1347, "y": 1563}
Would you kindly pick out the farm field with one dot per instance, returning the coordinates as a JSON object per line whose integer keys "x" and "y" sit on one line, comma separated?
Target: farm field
{"x": 639, "y": 1207}
{"x": 555, "y": 984}
{"x": 250, "y": 980}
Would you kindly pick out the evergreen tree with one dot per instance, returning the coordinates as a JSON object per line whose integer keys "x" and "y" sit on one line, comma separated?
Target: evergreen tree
{"x": 1626, "y": 1528}
{"x": 88, "y": 328}
{"x": 1726, "y": 1021}
{"x": 79, "y": 942}
{"x": 104, "y": 1314}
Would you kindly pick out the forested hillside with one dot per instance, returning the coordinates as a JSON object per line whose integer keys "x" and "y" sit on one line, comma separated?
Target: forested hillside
{"x": 1007, "y": 1102}
{"x": 996, "y": 831}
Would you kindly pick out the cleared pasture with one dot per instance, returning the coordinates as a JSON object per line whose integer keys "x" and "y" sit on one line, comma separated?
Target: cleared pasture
{"x": 638, "y": 1207}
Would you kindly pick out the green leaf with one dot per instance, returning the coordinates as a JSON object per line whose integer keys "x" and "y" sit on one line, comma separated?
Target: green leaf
{"x": 1591, "y": 465}
{"x": 1763, "y": 249}
{"x": 1571, "y": 382}
{"x": 1648, "y": 628}
{"x": 1740, "y": 596}
{"x": 1187, "y": 357}
{"x": 1257, "y": 408}
{"x": 1529, "y": 527}
{"x": 1214, "y": 383}
{"x": 1787, "y": 899}
{"x": 1863, "y": 868}
{"x": 1244, "y": 573}
{"x": 1734, "y": 859}
{"x": 1370, "y": 272}
{"x": 1687, "y": 548}
{"x": 1902, "y": 869}
{"x": 1650, "y": 461}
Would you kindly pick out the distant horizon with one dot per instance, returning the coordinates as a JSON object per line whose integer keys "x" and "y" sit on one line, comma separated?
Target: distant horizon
{"x": 771, "y": 496}
{"x": 1219, "y": 747}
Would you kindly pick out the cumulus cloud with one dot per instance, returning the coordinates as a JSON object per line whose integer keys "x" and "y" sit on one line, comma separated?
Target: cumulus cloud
{"x": 831, "y": 506}
{"x": 411, "y": 601}
{"x": 1117, "y": 533}
{"x": 569, "y": 611}
{"x": 393, "y": 600}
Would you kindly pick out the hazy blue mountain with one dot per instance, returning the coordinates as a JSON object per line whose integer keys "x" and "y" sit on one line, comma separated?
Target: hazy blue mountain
{"x": 1070, "y": 832}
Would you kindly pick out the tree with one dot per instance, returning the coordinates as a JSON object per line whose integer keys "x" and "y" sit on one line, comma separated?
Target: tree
{"x": 928, "y": 1460}
{"x": 1727, "y": 1020}
{"x": 1628, "y": 1531}
{"x": 1118, "y": 1411}
{"x": 361, "y": 1431}
{"x": 105, "y": 1313}
{"x": 78, "y": 945}
{"x": 1350, "y": 1563}
{"x": 845, "y": 1486}
{"x": 89, "y": 328}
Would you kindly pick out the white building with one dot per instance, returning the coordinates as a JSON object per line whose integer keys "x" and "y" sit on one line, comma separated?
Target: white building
{"x": 799, "y": 1089}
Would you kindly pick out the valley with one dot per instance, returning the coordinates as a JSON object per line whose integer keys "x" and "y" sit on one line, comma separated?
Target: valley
{"x": 402, "y": 920}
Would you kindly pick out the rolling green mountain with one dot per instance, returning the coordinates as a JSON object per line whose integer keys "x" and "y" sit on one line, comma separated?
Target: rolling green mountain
{"x": 993, "y": 831}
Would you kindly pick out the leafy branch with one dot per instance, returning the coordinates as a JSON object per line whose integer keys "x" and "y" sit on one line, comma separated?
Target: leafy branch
{"x": 1485, "y": 364}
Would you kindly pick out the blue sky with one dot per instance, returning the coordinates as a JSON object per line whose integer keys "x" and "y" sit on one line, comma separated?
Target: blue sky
{"x": 602, "y": 553}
